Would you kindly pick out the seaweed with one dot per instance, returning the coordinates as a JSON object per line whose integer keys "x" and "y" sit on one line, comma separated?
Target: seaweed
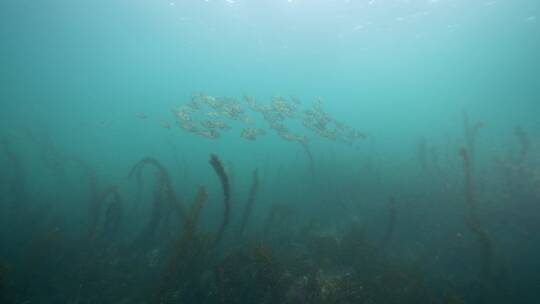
{"x": 472, "y": 219}
{"x": 163, "y": 178}
{"x": 103, "y": 230}
{"x": 158, "y": 216}
{"x": 164, "y": 198}
{"x": 111, "y": 217}
{"x": 177, "y": 262}
{"x": 248, "y": 276}
{"x": 269, "y": 273}
{"x": 193, "y": 216}
{"x": 473, "y": 222}
{"x": 113, "y": 214}
{"x": 224, "y": 180}
{"x": 184, "y": 249}
{"x": 471, "y": 132}
{"x": 251, "y": 200}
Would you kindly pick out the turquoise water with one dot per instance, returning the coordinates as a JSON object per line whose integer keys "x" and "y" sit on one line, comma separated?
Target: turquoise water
{"x": 89, "y": 88}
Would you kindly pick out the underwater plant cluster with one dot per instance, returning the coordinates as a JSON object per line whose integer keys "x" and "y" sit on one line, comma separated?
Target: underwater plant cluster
{"x": 241, "y": 237}
{"x": 270, "y": 152}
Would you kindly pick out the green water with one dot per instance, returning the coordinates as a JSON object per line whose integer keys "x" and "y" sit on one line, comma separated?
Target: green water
{"x": 100, "y": 81}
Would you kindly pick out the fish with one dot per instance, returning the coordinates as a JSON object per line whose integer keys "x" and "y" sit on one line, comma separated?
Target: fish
{"x": 251, "y": 133}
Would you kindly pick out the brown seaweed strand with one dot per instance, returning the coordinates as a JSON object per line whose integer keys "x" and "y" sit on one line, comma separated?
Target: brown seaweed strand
{"x": 471, "y": 131}
{"x": 482, "y": 236}
{"x": 164, "y": 180}
{"x": 193, "y": 216}
{"x": 113, "y": 214}
{"x": 137, "y": 170}
{"x": 182, "y": 248}
{"x": 220, "y": 171}
{"x": 250, "y": 201}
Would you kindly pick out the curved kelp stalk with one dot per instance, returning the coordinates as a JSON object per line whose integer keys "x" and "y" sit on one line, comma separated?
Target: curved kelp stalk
{"x": 251, "y": 200}
{"x": 223, "y": 178}
{"x": 113, "y": 215}
{"x": 159, "y": 217}
{"x": 473, "y": 222}
{"x": 137, "y": 171}
{"x": 471, "y": 133}
{"x": 103, "y": 230}
{"x": 164, "y": 198}
{"x": 163, "y": 177}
